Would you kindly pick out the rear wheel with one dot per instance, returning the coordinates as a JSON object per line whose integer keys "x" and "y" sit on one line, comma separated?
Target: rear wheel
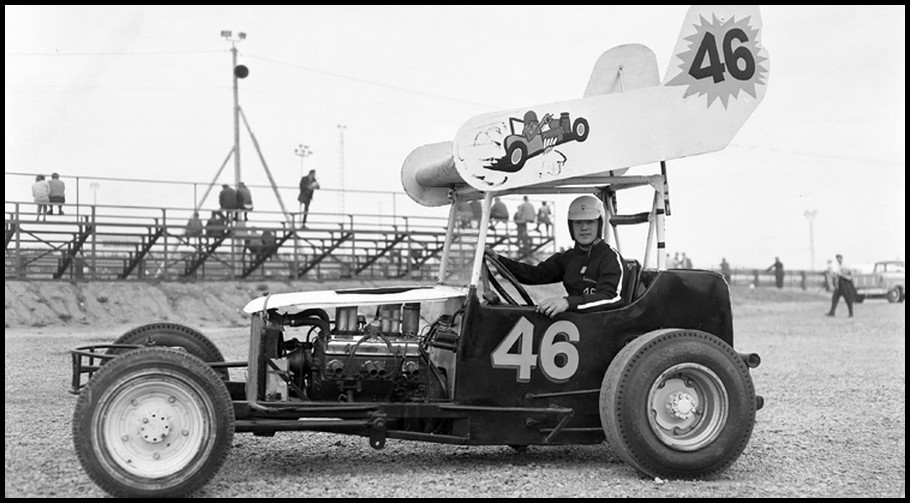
{"x": 678, "y": 404}
{"x": 517, "y": 155}
{"x": 173, "y": 335}
{"x": 153, "y": 422}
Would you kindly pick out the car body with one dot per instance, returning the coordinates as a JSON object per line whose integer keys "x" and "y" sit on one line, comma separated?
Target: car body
{"x": 887, "y": 280}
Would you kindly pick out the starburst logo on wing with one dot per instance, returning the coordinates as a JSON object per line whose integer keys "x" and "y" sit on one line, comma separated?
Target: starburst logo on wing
{"x": 723, "y": 59}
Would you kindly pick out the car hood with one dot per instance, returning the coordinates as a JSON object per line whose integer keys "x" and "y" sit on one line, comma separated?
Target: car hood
{"x": 298, "y": 301}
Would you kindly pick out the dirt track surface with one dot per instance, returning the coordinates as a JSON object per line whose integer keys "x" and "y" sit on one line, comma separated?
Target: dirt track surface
{"x": 833, "y": 424}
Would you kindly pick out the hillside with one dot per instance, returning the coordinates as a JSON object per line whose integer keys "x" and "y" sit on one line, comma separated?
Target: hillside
{"x": 55, "y": 303}
{"x": 59, "y": 303}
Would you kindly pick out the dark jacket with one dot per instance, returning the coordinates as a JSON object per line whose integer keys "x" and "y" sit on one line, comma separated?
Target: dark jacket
{"x": 228, "y": 199}
{"x": 593, "y": 278}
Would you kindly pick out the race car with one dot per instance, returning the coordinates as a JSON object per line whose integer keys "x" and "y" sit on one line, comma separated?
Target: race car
{"x": 536, "y": 136}
{"x": 468, "y": 360}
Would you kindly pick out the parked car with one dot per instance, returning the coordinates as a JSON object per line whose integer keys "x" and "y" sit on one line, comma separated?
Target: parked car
{"x": 885, "y": 281}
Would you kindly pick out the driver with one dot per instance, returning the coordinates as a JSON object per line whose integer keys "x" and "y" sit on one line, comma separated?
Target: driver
{"x": 591, "y": 272}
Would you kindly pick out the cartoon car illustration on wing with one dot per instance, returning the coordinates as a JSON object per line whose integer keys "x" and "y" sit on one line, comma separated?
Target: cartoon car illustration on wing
{"x": 531, "y": 137}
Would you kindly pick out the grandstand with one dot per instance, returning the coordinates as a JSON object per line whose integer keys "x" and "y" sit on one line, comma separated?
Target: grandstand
{"x": 121, "y": 242}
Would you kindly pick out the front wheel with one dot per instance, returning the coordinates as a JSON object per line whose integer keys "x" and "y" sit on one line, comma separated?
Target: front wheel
{"x": 894, "y": 295}
{"x": 678, "y": 404}
{"x": 580, "y": 128}
{"x": 153, "y": 422}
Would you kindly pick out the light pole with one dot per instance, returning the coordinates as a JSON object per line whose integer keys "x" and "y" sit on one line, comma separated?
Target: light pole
{"x": 810, "y": 215}
{"x": 236, "y": 72}
{"x": 341, "y": 128}
{"x": 94, "y": 186}
{"x": 302, "y": 151}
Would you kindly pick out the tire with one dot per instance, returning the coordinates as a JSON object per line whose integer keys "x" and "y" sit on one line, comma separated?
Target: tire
{"x": 669, "y": 380}
{"x": 859, "y": 299}
{"x": 580, "y": 129}
{"x": 894, "y": 295}
{"x": 517, "y": 155}
{"x": 173, "y": 335}
{"x": 153, "y": 422}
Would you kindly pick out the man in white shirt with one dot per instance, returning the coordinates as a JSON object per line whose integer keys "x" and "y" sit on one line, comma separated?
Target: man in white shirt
{"x": 843, "y": 286}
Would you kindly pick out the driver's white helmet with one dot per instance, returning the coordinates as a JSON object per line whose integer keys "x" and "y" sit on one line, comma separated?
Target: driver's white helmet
{"x": 587, "y": 207}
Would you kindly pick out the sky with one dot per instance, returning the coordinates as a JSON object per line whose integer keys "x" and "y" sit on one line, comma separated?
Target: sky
{"x": 145, "y": 92}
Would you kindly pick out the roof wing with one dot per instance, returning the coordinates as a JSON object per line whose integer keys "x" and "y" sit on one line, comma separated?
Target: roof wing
{"x": 716, "y": 78}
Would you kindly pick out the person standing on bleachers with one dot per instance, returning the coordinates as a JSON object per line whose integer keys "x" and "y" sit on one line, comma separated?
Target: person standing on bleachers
{"x": 228, "y": 201}
{"x": 524, "y": 216}
{"x": 41, "y": 191}
{"x": 194, "y": 229}
{"x": 543, "y": 217}
{"x": 57, "y": 193}
{"x": 308, "y": 185}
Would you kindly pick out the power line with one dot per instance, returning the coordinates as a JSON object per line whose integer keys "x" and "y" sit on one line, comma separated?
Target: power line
{"x": 373, "y": 83}
{"x": 105, "y": 53}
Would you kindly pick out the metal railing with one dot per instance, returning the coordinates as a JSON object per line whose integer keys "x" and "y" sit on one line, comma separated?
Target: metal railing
{"x": 117, "y": 242}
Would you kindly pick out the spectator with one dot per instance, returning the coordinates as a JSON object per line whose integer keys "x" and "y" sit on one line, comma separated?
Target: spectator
{"x": 543, "y": 217}
{"x": 686, "y": 261}
{"x": 678, "y": 261}
{"x": 843, "y": 287}
{"x": 830, "y": 280}
{"x": 476, "y": 212}
{"x": 269, "y": 244}
{"x": 671, "y": 262}
{"x": 523, "y": 217}
{"x": 499, "y": 212}
{"x": 194, "y": 230}
{"x": 216, "y": 226}
{"x": 463, "y": 214}
{"x": 308, "y": 185}
{"x": 244, "y": 200}
{"x": 228, "y": 201}
{"x": 41, "y": 192}
{"x": 725, "y": 269}
{"x": 57, "y": 193}
{"x": 778, "y": 272}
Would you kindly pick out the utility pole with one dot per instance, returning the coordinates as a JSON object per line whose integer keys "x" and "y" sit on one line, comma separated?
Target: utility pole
{"x": 810, "y": 215}
{"x": 237, "y": 72}
{"x": 341, "y": 129}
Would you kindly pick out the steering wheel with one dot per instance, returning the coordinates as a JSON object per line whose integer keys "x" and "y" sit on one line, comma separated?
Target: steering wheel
{"x": 491, "y": 264}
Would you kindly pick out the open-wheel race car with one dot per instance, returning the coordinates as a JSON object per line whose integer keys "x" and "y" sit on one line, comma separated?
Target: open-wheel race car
{"x": 469, "y": 360}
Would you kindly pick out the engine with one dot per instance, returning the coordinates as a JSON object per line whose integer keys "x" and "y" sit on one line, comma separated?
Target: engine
{"x": 348, "y": 359}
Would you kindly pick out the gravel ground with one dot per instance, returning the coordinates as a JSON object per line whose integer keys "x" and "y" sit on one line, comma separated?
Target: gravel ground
{"x": 833, "y": 425}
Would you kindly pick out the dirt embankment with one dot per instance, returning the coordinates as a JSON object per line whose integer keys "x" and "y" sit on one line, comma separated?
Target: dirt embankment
{"x": 56, "y": 303}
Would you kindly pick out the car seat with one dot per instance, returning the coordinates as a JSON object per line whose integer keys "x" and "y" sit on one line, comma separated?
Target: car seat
{"x": 631, "y": 281}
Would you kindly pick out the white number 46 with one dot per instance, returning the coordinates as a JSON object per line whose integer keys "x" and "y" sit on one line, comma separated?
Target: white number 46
{"x": 550, "y": 349}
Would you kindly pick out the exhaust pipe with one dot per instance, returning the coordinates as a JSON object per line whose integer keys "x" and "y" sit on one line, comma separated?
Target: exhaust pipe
{"x": 751, "y": 360}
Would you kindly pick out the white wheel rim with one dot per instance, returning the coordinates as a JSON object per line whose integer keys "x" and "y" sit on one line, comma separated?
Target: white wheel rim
{"x": 687, "y": 407}
{"x": 153, "y": 426}
{"x": 517, "y": 154}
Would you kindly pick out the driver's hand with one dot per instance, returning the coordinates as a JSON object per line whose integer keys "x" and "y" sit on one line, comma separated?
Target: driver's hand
{"x": 553, "y": 306}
